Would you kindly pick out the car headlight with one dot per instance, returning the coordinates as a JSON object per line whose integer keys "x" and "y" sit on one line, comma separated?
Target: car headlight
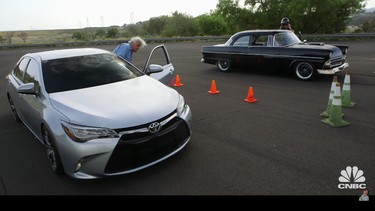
{"x": 82, "y": 134}
{"x": 328, "y": 64}
{"x": 181, "y": 105}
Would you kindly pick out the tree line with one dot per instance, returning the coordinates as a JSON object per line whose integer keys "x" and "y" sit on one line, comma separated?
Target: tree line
{"x": 307, "y": 16}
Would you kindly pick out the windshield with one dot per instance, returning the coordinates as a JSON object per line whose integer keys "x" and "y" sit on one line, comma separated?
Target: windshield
{"x": 286, "y": 38}
{"x": 85, "y": 71}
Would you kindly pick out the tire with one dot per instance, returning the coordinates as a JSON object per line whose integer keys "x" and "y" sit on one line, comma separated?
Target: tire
{"x": 14, "y": 111}
{"x": 304, "y": 71}
{"x": 223, "y": 65}
{"x": 53, "y": 155}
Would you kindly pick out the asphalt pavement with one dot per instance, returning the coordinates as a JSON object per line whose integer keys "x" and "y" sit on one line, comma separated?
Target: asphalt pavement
{"x": 277, "y": 146}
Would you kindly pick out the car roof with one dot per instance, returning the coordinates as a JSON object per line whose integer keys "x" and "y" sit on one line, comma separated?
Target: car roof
{"x": 263, "y": 31}
{"x": 266, "y": 30}
{"x": 66, "y": 53}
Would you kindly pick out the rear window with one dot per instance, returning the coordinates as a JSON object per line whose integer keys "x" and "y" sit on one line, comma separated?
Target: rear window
{"x": 85, "y": 71}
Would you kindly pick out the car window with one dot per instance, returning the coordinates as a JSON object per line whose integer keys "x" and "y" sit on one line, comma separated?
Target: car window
{"x": 158, "y": 57}
{"x": 85, "y": 71}
{"x": 31, "y": 75}
{"x": 20, "y": 68}
{"x": 279, "y": 40}
{"x": 286, "y": 38}
{"x": 242, "y": 41}
{"x": 260, "y": 40}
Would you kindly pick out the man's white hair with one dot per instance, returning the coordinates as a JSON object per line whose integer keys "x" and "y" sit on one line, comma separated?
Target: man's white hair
{"x": 139, "y": 41}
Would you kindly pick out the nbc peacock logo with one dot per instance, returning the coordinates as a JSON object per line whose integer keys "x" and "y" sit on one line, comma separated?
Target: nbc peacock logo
{"x": 352, "y": 178}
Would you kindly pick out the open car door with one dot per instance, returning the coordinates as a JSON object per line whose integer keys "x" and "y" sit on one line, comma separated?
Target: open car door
{"x": 166, "y": 76}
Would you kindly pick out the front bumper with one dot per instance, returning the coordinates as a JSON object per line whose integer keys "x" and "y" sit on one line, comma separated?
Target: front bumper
{"x": 333, "y": 70}
{"x": 118, "y": 156}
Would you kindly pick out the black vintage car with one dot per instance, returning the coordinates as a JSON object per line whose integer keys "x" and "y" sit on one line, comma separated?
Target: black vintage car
{"x": 277, "y": 49}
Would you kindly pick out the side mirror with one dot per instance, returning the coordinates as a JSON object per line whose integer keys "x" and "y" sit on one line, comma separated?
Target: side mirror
{"x": 28, "y": 88}
{"x": 154, "y": 68}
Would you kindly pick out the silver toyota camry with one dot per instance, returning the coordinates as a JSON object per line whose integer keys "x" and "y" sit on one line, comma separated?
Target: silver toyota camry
{"x": 96, "y": 114}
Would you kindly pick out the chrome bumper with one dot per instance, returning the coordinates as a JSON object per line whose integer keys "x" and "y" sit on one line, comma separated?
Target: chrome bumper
{"x": 333, "y": 70}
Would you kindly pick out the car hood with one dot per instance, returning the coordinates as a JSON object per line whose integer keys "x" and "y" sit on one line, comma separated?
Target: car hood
{"x": 117, "y": 105}
{"x": 318, "y": 46}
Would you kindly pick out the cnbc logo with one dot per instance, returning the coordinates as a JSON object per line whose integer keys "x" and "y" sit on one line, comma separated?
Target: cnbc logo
{"x": 352, "y": 178}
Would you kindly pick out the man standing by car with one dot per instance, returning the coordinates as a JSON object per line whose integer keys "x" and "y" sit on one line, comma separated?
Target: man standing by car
{"x": 126, "y": 50}
{"x": 285, "y": 24}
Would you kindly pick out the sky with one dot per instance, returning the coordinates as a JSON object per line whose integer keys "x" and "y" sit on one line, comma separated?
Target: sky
{"x": 59, "y": 14}
{"x": 17, "y": 15}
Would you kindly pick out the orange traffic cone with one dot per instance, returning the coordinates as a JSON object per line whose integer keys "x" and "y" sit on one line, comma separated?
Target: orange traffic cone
{"x": 178, "y": 81}
{"x": 213, "y": 90}
{"x": 250, "y": 96}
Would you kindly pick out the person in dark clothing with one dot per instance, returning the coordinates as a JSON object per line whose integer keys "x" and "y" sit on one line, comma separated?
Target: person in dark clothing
{"x": 285, "y": 24}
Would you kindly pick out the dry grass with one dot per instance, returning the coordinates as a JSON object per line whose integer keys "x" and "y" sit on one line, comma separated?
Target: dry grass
{"x": 42, "y": 36}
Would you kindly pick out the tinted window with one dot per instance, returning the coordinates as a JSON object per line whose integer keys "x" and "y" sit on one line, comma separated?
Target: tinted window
{"x": 20, "y": 68}
{"x": 85, "y": 71}
{"x": 242, "y": 41}
{"x": 31, "y": 75}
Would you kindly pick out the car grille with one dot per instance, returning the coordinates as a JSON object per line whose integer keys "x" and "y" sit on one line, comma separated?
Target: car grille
{"x": 139, "y": 149}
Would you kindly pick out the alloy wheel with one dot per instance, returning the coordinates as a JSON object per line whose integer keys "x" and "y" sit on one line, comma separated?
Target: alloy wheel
{"x": 304, "y": 70}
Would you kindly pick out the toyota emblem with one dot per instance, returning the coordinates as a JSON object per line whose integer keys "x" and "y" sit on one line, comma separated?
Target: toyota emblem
{"x": 154, "y": 127}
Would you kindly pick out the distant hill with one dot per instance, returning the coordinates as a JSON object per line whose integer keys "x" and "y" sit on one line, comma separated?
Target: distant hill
{"x": 359, "y": 19}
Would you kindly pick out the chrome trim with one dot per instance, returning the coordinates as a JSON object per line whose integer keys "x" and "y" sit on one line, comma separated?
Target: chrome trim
{"x": 268, "y": 55}
{"x": 303, "y": 57}
{"x": 333, "y": 70}
{"x": 169, "y": 119}
{"x": 143, "y": 130}
{"x": 214, "y": 52}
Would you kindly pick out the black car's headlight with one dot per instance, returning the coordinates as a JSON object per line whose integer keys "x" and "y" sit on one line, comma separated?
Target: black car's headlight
{"x": 82, "y": 133}
{"x": 181, "y": 106}
{"x": 327, "y": 64}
